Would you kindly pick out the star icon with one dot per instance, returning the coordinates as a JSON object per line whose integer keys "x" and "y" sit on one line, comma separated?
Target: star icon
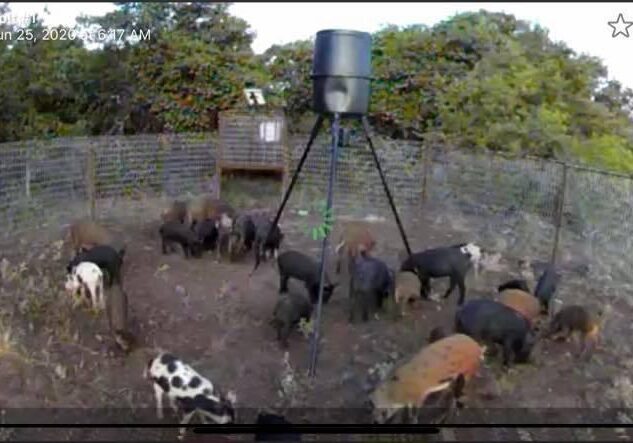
{"x": 620, "y": 27}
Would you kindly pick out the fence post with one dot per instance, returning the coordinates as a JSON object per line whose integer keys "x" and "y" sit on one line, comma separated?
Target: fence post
{"x": 559, "y": 213}
{"x": 91, "y": 180}
{"x": 219, "y": 153}
{"x": 287, "y": 157}
{"x": 426, "y": 162}
{"x": 27, "y": 172}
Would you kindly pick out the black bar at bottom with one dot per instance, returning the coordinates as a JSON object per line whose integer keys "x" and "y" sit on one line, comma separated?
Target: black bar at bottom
{"x": 316, "y": 429}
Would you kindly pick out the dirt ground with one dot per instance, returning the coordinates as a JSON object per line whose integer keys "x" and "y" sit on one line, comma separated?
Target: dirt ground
{"x": 55, "y": 357}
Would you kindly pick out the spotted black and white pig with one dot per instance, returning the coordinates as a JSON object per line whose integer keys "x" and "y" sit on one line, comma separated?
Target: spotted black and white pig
{"x": 86, "y": 280}
{"x": 188, "y": 392}
{"x": 109, "y": 260}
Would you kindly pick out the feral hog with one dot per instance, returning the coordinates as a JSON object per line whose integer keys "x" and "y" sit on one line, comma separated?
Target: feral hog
{"x": 576, "y": 319}
{"x": 441, "y": 367}
{"x": 523, "y": 302}
{"x": 188, "y": 392}
{"x": 177, "y": 212}
{"x": 495, "y": 323}
{"x": 450, "y": 261}
{"x": 107, "y": 258}
{"x": 289, "y": 310}
{"x": 242, "y": 235}
{"x": 356, "y": 238}
{"x": 293, "y": 264}
{"x": 217, "y": 210}
{"x": 546, "y": 286}
{"x": 174, "y": 232}
{"x": 117, "y": 312}
{"x": 372, "y": 282}
{"x": 207, "y": 233}
{"x": 85, "y": 234}
{"x": 520, "y": 284}
{"x": 407, "y": 289}
{"x": 274, "y": 420}
{"x": 265, "y": 245}
{"x": 208, "y": 208}
{"x": 86, "y": 279}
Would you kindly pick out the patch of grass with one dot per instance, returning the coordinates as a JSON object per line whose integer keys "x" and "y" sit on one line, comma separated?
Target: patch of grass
{"x": 293, "y": 385}
{"x": 8, "y": 342}
{"x": 254, "y": 192}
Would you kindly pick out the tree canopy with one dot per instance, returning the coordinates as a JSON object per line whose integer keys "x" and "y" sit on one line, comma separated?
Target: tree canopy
{"x": 479, "y": 80}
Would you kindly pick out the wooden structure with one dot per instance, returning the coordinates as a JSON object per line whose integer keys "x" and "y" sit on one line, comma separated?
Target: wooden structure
{"x": 253, "y": 141}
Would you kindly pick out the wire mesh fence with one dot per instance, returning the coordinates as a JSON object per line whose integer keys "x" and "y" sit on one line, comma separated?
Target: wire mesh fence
{"x": 520, "y": 205}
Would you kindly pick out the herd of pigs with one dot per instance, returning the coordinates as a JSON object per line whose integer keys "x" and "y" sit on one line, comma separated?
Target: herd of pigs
{"x": 431, "y": 380}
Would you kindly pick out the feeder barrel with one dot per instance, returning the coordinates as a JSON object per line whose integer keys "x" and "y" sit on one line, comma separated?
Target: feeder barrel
{"x": 341, "y": 72}
{"x": 340, "y": 53}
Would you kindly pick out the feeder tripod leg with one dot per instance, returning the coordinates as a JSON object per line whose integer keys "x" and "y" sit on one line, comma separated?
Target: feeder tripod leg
{"x": 313, "y": 135}
{"x": 367, "y": 131}
{"x": 314, "y": 345}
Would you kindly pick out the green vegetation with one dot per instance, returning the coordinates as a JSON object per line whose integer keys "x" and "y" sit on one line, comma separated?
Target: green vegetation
{"x": 478, "y": 81}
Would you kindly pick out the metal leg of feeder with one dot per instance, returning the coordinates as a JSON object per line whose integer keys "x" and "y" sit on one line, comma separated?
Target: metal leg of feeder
{"x": 330, "y": 191}
{"x": 313, "y": 135}
{"x": 367, "y": 131}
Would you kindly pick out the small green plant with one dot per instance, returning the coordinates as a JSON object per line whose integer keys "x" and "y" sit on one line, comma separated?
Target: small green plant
{"x": 306, "y": 327}
{"x": 327, "y": 223}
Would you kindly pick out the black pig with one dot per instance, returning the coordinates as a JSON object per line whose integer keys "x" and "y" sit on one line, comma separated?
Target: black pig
{"x": 264, "y": 419}
{"x": 174, "y": 232}
{"x": 289, "y": 310}
{"x": 546, "y": 286}
{"x": 492, "y": 322}
{"x": 515, "y": 284}
{"x": 264, "y": 244}
{"x": 242, "y": 234}
{"x": 452, "y": 261}
{"x": 372, "y": 282}
{"x": 207, "y": 233}
{"x": 293, "y": 264}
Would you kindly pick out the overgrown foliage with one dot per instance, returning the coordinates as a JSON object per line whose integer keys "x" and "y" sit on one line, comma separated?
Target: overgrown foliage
{"x": 479, "y": 81}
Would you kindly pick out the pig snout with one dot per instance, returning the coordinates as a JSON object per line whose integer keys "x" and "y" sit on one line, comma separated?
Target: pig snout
{"x": 71, "y": 284}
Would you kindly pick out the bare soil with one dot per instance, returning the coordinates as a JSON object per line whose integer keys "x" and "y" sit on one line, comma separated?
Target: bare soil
{"x": 63, "y": 357}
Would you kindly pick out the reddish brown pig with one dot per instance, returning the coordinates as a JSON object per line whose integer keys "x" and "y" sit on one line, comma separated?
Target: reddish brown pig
{"x": 407, "y": 289}
{"x": 355, "y": 238}
{"x": 431, "y": 370}
{"x": 523, "y": 302}
{"x": 577, "y": 319}
{"x": 85, "y": 234}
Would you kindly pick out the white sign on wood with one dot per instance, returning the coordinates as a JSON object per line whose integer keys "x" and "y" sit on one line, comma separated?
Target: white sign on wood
{"x": 270, "y": 132}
